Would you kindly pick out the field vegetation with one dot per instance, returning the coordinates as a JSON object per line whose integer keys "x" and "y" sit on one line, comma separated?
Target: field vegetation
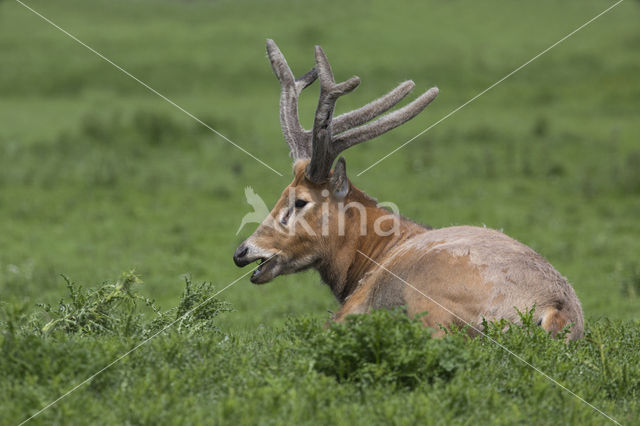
{"x": 99, "y": 176}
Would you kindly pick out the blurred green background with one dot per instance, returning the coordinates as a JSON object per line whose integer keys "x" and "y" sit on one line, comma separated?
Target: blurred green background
{"x": 99, "y": 176}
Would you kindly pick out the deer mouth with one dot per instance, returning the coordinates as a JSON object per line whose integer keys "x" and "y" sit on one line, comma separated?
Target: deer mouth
{"x": 266, "y": 271}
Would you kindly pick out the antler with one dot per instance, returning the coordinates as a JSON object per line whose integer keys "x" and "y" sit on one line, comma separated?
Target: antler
{"x": 330, "y": 136}
{"x": 322, "y": 154}
{"x": 297, "y": 137}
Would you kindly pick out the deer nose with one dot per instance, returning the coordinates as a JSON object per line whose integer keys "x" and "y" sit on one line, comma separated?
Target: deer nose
{"x": 239, "y": 256}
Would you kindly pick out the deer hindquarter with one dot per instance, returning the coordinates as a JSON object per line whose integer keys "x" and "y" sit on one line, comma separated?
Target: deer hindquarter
{"x": 462, "y": 275}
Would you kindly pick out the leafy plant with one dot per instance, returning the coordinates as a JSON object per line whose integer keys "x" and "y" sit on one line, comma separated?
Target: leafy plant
{"x": 118, "y": 309}
{"x": 195, "y": 312}
{"x": 386, "y": 347}
{"x": 111, "y": 308}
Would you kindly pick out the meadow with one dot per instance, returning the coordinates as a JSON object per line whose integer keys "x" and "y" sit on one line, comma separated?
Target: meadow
{"x": 100, "y": 177}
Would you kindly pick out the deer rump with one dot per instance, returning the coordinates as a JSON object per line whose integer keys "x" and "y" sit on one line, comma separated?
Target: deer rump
{"x": 458, "y": 275}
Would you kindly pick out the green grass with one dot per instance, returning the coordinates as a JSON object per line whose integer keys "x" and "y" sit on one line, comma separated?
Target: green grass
{"x": 100, "y": 176}
{"x": 377, "y": 368}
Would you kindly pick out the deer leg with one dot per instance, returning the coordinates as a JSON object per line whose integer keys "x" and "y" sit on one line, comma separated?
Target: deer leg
{"x": 357, "y": 303}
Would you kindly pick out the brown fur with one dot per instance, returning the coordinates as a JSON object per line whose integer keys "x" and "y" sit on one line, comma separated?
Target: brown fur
{"x": 475, "y": 273}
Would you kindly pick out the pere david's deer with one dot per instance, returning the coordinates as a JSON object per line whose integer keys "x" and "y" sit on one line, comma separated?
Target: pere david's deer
{"x": 373, "y": 259}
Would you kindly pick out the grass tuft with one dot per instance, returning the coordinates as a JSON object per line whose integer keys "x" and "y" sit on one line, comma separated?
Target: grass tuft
{"x": 385, "y": 347}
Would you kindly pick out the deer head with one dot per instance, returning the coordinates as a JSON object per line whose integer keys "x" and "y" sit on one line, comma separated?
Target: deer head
{"x": 302, "y": 230}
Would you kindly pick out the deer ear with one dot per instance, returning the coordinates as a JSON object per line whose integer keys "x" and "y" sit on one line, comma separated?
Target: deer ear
{"x": 339, "y": 183}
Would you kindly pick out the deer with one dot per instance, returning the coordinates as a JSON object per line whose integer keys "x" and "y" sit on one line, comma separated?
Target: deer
{"x": 372, "y": 258}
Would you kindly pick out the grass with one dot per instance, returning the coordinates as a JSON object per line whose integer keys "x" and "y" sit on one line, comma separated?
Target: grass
{"x": 99, "y": 176}
{"x": 378, "y": 368}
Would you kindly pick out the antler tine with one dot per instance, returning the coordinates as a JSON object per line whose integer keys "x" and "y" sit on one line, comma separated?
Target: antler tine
{"x": 320, "y": 144}
{"x": 373, "y": 109}
{"x": 323, "y": 152}
{"x": 384, "y": 124}
{"x": 298, "y": 139}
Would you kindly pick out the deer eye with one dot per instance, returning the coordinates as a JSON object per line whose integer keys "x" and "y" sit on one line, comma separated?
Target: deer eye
{"x": 300, "y": 203}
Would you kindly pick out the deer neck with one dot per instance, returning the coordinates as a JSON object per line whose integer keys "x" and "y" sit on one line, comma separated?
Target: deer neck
{"x": 350, "y": 257}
